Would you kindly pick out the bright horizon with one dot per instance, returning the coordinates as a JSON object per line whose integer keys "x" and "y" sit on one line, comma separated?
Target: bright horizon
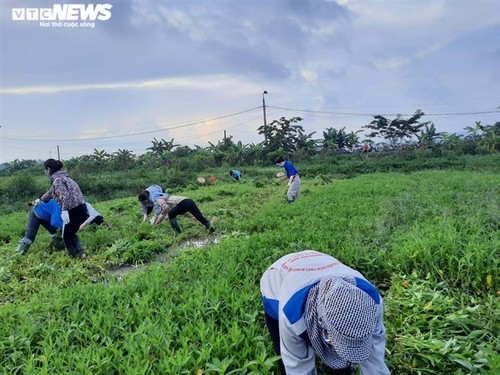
{"x": 193, "y": 70}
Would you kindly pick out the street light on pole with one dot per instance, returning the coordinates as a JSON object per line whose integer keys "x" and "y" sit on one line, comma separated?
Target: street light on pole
{"x": 264, "y": 107}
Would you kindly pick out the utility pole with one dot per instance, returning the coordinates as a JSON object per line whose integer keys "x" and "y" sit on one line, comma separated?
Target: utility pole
{"x": 264, "y": 107}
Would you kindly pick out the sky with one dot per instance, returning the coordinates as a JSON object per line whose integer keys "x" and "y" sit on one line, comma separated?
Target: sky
{"x": 116, "y": 74}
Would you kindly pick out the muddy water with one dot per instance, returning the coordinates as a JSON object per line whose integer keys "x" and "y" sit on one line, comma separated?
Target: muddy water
{"x": 164, "y": 257}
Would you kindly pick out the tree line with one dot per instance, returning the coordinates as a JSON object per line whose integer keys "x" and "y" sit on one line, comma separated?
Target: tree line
{"x": 286, "y": 136}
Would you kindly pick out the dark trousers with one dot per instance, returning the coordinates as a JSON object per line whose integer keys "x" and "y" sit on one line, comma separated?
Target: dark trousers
{"x": 34, "y": 223}
{"x": 187, "y": 205}
{"x": 274, "y": 331}
{"x": 77, "y": 216}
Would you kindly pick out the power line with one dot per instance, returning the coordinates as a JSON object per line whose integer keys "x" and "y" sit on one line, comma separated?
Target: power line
{"x": 382, "y": 114}
{"x": 185, "y": 124}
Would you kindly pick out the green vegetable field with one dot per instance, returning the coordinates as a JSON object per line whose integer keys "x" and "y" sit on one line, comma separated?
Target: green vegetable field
{"x": 429, "y": 240}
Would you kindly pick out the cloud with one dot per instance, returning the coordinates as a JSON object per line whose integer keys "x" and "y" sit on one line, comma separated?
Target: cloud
{"x": 199, "y": 83}
{"x": 158, "y": 63}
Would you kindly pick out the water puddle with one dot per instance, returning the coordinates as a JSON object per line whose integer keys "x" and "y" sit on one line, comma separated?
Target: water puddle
{"x": 122, "y": 271}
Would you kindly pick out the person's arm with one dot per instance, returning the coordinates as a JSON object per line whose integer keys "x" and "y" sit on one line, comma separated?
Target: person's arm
{"x": 144, "y": 210}
{"x": 375, "y": 364}
{"x": 92, "y": 215}
{"x": 46, "y": 196}
{"x": 63, "y": 193}
{"x": 164, "y": 209}
{"x": 86, "y": 222}
{"x": 298, "y": 357}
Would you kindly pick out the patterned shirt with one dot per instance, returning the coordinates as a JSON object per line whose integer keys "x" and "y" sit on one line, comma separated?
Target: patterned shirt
{"x": 64, "y": 190}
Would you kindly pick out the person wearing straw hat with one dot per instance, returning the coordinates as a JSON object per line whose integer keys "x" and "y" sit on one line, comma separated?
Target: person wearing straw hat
{"x": 292, "y": 173}
{"x": 315, "y": 305}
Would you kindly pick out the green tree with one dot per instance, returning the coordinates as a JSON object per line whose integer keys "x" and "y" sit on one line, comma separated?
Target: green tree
{"x": 123, "y": 159}
{"x": 429, "y": 137}
{"x": 337, "y": 139}
{"x": 490, "y": 138}
{"x": 281, "y": 134}
{"x": 398, "y": 130}
{"x": 161, "y": 150}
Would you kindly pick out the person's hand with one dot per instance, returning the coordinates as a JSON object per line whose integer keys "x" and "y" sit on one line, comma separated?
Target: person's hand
{"x": 153, "y": 220}
{"x": 145, "y": 217}
{"x": 82, "y": 227}
{"x": 36, "y": 202}
{"x": 65, "y": 217}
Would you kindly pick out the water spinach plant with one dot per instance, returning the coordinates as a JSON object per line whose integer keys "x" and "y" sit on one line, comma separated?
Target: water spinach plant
{"x": 429, "y": 240}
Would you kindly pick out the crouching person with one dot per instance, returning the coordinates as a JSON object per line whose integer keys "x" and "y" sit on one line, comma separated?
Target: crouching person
{"x": 48, "y": 215}
{"x": 315, "y": 305}
{"x": 94, "y": 217}
{"x": 172, "y": 206}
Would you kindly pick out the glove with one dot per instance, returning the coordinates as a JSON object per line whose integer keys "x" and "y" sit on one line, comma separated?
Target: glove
{"x": 36, "y": 202}
{"x": 153, "y": 220}
{"x": 65, "y": 217}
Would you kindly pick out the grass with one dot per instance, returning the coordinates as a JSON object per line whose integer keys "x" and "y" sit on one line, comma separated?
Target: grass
{"x": 429, "y": 240}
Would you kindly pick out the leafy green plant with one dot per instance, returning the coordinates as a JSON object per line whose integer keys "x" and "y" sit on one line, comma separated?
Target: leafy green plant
{"x": 428, "y": 240}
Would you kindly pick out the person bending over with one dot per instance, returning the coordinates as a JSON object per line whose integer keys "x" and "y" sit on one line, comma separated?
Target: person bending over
{"x": 315, "y": 305}
{"x": 173, "y": 205}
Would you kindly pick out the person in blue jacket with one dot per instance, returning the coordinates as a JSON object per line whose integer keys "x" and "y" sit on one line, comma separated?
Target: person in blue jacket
{"x": 48, "y": 215}
{"x": 316, "y": 306}
{"x": 146, "y": 202}
{"x": 235, "y": 175}
{"x": 292, "y": 173}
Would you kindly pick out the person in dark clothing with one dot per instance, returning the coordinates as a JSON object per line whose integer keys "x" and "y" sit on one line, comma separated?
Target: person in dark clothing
{"x": 173, "y": 205}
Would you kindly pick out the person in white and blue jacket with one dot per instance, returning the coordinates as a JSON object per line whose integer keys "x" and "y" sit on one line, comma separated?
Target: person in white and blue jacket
{"x": 315, "y": 305}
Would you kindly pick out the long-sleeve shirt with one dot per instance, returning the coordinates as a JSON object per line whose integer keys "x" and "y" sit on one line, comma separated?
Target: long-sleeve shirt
{"x": 64, "y": 190}
{"x": 153, "y": 189}
{"x": 285, "y": 286}
{"x": 290, "y": 169}
{"x": 92, "y": 213}
{"x": 165, "y": 204}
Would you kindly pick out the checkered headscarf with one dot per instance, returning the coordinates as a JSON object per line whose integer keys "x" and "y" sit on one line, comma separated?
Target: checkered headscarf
{"x": 340, "y": 320}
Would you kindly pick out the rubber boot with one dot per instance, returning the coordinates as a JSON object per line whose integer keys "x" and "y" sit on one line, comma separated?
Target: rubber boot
{"x": 81, "y": 252}
{"x": 175, "y": 226}
{"x": 57, "y": 241}
{"x": 72, "y": 248}
{"x": 210, "y": 227}
{"x": 23, "y": 246}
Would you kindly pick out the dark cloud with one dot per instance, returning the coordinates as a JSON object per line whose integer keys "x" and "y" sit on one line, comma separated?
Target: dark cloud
{"x": 145, "y": 39}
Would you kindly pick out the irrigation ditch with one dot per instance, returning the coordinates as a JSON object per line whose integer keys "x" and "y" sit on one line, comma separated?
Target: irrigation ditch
{"x": 164, "y": 257}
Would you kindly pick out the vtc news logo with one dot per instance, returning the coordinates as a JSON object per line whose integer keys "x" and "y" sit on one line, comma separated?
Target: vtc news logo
{"x": 64, "y": 12}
